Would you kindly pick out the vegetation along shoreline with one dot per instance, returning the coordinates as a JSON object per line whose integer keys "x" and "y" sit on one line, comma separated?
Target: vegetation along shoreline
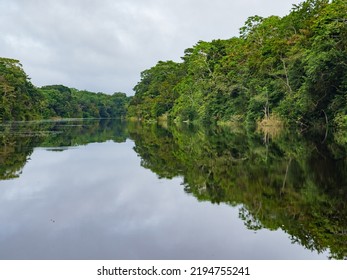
{"x": 289, "y": 70}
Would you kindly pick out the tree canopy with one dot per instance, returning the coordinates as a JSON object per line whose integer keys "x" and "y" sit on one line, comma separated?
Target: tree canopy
{"x": 20, "y": 100}
{"x": 292, "y": 68}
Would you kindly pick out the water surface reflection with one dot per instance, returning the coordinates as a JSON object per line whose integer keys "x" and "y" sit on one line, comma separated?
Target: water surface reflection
{"x": 77, "y": 190}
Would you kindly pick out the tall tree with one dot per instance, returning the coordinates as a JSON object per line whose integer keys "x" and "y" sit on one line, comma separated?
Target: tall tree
{"x": 19, "y": 99}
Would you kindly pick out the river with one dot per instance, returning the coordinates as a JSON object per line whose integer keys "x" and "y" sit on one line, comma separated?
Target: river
{"x": 105, "y": 189}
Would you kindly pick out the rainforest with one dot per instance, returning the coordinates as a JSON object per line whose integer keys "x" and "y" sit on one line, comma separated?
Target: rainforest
{"x": 240, "y": 136}
{"x": 290, "y": 70}
{"x": 279, "y": 70}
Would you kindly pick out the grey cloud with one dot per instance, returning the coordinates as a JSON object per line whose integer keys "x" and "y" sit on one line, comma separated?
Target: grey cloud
{"x": 103, "y": 45}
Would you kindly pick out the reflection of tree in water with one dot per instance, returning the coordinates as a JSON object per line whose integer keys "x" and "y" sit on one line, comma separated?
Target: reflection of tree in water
{"x": 15, "y": 149}
{"x": 18, "y": 140}
{"x": 287, "y": 183}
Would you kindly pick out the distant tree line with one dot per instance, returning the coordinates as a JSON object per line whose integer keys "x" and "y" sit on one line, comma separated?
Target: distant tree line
{"x": 21, "y": 100}
{"x": 292, "y": 69}
{"x": 72, "y": 103}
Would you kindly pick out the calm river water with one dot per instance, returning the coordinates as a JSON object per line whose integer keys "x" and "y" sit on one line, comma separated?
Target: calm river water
{"x": 107, "y": 190}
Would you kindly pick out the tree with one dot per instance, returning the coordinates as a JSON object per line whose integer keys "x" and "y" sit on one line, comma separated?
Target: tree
{"x": 19, "y": 99}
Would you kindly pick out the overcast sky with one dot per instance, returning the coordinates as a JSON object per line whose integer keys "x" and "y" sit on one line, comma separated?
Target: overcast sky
{"x": 103, "y": 45}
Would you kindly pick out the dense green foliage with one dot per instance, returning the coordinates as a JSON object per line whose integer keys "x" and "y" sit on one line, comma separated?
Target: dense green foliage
{"x": 20, "y": 100}
{"x": 293, "y": 68}
{"x": 64, "y": 102}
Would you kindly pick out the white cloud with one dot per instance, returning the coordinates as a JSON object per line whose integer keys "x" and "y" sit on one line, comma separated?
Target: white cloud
{"x": 103, "y": 45}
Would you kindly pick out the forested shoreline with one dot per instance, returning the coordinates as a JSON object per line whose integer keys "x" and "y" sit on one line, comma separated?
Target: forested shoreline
{"x": 289, "y": 70}
{"x": 22, "y": 101}
{"x": 279, "y": 70}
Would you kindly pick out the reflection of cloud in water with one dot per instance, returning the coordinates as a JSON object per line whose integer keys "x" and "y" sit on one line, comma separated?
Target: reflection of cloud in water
{"x": 105, "y": 206}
